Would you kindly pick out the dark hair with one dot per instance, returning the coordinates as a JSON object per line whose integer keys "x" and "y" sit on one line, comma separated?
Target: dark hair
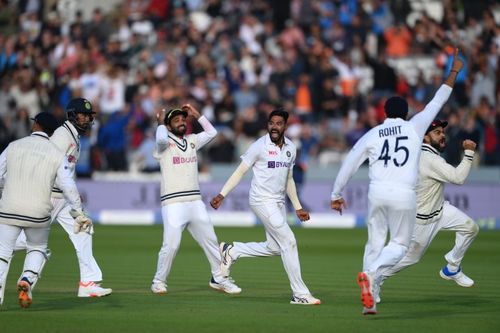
{"x": 279, "y": 112}
{"x": 396, "y": 107}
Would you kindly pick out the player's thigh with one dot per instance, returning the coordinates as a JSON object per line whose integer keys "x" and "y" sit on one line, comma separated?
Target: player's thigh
{"x": 273, "y": 217}
{"x": 63, "y": 217}
{"x": 37, "y": 238}
{"x": 176, "y": 214}
{"x": 200, "y": 225}
{"x": 401, "y": 224}
{"x": 58, "y": 204}
{"x": 456, "y": 220}
{"x": 376, "y": 222}
{"x": 422, "y": 236}
{"x": 8, "y": 237}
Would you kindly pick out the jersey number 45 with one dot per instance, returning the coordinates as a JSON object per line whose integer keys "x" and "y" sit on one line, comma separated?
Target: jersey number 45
{"x": 399, "y": 146}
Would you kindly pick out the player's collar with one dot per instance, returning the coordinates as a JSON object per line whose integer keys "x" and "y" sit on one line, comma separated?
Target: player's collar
{"x": 40, "y": 134}
{"x": 428, "y": 148}
{"x": 268, "y": 140}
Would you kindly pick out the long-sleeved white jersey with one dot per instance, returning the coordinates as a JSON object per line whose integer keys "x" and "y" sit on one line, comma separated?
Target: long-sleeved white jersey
{"x": 66, "y": 138}
{"x": 392, "y": 149}
{"x": 434, "y": 172}
{"x": 29, "y": 167}
{"x": 179, "y": 162}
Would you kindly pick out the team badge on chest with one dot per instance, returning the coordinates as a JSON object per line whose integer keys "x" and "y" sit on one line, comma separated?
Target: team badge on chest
{"x": 192, "y": 145}
{"x": 288, "y": 154}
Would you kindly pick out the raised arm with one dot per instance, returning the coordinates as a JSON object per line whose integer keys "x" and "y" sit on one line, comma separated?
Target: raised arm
{"x": 444, "y": 172}
{"x": 423, "y": 119}
{"x": 161, "y": 132}
{"x": 209, "y": 131}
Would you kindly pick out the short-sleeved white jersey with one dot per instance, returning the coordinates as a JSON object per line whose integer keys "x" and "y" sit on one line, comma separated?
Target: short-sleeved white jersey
{"x": 392, "y": 149}
{"x": 270, "y": 165}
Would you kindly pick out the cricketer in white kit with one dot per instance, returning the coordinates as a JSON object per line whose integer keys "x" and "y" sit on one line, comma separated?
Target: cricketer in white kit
{"x": 393, "y": 150}
{"x": 67, "y": 138}
{"x": 29, "y": 167}
{"x": 434, "y": 213}
{"x": 271, "y": 158}
{"x": 181, "y": 202}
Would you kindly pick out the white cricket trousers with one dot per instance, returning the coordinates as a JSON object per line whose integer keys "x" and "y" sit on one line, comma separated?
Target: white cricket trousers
{"x": 82, "y": 242}
{"x": 194, "y": 216}
{"x": 391, "y": 209}
{"x": 36, "y": 241}
{"x": 280, "y": 240}
{"x": 451, "y": 219}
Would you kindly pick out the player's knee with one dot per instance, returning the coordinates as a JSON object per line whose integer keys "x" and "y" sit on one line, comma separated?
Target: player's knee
{"x": 472, "y": 228}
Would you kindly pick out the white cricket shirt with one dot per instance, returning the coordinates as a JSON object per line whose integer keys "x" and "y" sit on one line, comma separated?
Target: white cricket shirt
{"x": 179, "y": 162}
{"x": 392, "y": 149}
{"x": 270, "y": 165}
{"x": 30, "y": 167}
{"x": 67, "y": 139}
{"x": 434, "y": 172}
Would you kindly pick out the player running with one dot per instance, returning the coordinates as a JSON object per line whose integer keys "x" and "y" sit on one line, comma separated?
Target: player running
{"x": 434, "y": 213}
{"x": 271, "y": 158}
{"x": 393, "y": 150}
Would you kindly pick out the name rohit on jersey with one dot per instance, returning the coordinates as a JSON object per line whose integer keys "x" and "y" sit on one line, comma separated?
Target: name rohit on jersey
{"x": 182, "y": 160}
{"x": 389, "y": 131}
{"x": 273, "y": 164}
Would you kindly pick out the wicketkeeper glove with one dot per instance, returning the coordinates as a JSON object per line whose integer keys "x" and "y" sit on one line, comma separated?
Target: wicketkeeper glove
{"x": 82, "y": 222}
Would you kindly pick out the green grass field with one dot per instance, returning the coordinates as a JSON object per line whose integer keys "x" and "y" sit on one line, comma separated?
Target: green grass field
{"x": 416, "y": 300}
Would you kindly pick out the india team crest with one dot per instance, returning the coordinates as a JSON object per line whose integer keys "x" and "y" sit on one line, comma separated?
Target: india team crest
{"x": 288, "y": 154}
{"x": 192, "y": 145}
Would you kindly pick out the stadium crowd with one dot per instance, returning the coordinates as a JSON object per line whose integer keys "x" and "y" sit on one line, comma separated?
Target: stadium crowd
{"x": 330, "y": 63}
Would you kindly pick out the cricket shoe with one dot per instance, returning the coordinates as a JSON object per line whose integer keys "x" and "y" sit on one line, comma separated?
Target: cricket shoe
{"x": 92, "y": 289}
{"x": 459, "y": 277}
{"x": 159, "y": 288}
{"x": 25, "y": 297}
{"x": 226, "y": 285}
{"x": 370, "y": 311}
{"x": 365, "y": 284}
{"x": 307, "y": 299}
{"x": 226, "y": 259}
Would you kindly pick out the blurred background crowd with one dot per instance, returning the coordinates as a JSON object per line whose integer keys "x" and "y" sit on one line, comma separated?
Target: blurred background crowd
{"x": 330, "y": 63}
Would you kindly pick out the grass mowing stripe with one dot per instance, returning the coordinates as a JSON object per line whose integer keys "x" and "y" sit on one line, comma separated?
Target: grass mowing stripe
{"x": 415, "y": 300}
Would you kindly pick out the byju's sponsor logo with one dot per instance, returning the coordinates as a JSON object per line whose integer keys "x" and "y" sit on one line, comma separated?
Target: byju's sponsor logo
{"x": 274, "y": 164}
{"x": 182, "y": 160}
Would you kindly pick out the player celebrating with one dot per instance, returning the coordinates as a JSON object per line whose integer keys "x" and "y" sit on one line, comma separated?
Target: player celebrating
{"x": 434, "y": 213}
{"x": 392, "y": 149}
{"x": 271, "y": 158}
{"x": 181, "y": 198}
{"x": 25, "y": 204}
{"x": 67, "y": 138}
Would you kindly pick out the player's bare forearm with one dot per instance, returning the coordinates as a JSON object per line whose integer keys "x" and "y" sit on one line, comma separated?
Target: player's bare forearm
{"x": 216, "y": 202}
{"x": 456, "y": 67}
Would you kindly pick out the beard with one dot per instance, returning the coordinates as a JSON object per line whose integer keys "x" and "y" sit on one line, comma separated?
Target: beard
{"x": 439, "y": 145}
{"x": 179, "y": 130}
{"x": 275, "y": 136}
